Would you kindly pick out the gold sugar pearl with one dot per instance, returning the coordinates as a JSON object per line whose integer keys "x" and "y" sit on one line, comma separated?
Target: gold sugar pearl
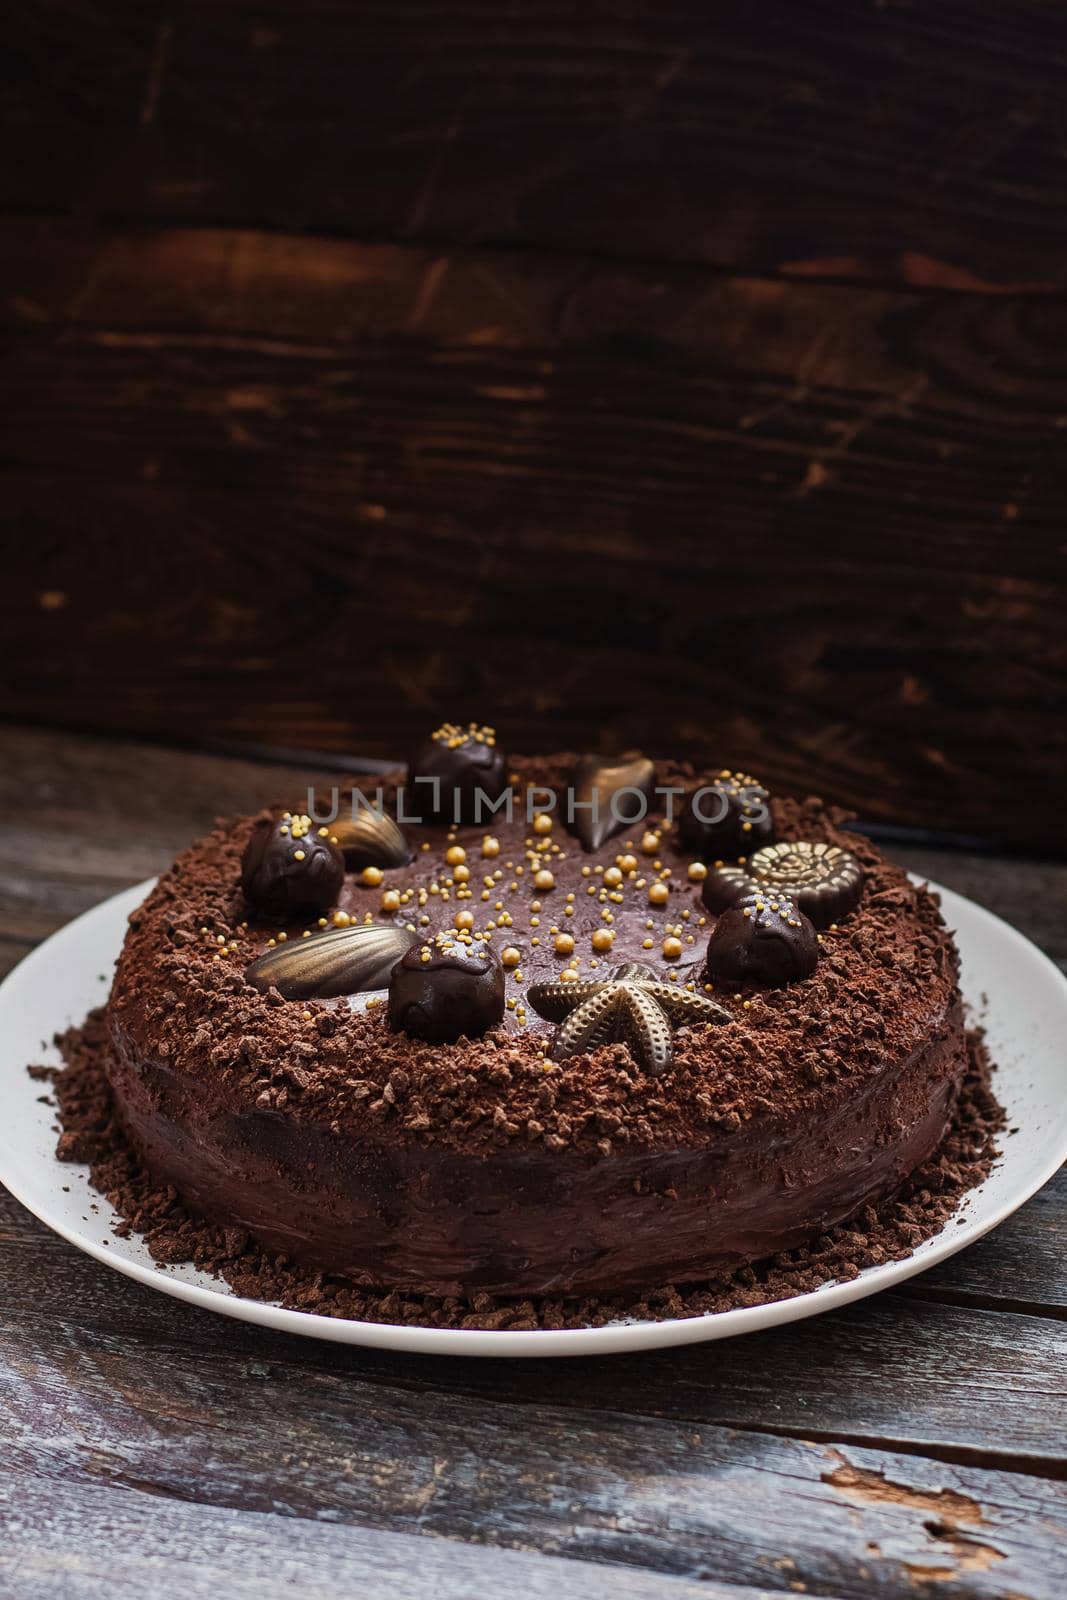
{"x": 649, "y": 843}
{"x": 463, "y": 919}
{"x": 341, "y": 919}
{"x": 568, "y": 975}
{"x": 510, "y": 957}
{"x": 298, "y": 855}
{"x": 658, "y": 894}
{"x": 625, "y": 863}
{"x": 391, "y": 900}
{"x": 672, "y": 948}
{"x": 613, "y": 877}
{"x": 697, "y": 872}
{"x": 490, "y": 846}
{"x": 542, "y": 823}
{"x": 603, "y": 939}
{"x": 564, "y": 945}
{"x": 455, "y": 854}
{"x": 544, "y": 879}
{"x": 371, "y": 876}
{"x": 461, "y": 873}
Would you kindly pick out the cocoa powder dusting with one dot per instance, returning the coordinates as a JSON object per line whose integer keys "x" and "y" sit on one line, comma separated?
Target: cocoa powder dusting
{"x": 889, "y": 1231}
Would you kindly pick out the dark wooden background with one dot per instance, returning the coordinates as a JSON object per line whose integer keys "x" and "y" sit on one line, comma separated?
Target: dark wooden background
{"x": 639, "y": 373}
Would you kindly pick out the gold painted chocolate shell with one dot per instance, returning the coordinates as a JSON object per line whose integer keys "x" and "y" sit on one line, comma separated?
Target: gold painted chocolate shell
{"x": 342, "y": 961}
{"x": 595, "y": 780}
{"x": 370, "y": 839}
{"x": 824, "y": 880}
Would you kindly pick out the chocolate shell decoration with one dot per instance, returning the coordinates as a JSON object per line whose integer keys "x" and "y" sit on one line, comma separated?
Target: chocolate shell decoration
{"x": 370, "y": 839}
{"x": 342, "y": 961}
{"x": 727, "y": 818}
{"x": 608, "y": 798}
{"x": 466, "y": 764}
{"x": 766, "y": 941}
{"x": 446, "y": 989}
{"x": 631, "y": 1005}
{"x": 290, "y": 866}
{"x": 824, "y": 880}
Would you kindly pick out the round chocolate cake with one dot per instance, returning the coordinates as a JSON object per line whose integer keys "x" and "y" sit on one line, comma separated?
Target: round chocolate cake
{"x": 559, "y": 1052}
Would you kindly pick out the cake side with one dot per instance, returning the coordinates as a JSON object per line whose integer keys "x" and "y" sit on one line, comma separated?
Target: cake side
{"x": 483, "y": 1164}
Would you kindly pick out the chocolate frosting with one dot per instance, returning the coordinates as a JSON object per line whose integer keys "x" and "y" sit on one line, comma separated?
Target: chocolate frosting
{"x": 482, "y": 1162}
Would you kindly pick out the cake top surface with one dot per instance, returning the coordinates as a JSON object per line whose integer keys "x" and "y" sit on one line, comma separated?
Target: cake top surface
{"x": 548, "y": 906}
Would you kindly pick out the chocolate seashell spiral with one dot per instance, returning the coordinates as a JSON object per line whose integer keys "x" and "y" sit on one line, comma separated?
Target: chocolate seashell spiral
{"x": 823, "y": 880}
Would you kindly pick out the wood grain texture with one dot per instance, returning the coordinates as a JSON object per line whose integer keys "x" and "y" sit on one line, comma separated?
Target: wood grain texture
{"x": 873, "y": 1375}
{"x": 918, "y": 143}
{"x": 316, "y": 493}
{"x": 82, "y": 1540}
{"x": 680, "y": 1499}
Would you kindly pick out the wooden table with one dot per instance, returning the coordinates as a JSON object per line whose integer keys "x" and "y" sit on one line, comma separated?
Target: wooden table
{"x": 910, "y": 1445}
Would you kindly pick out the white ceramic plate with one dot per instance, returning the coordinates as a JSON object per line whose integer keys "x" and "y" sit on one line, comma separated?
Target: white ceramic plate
{"x": 1016, "y": 992}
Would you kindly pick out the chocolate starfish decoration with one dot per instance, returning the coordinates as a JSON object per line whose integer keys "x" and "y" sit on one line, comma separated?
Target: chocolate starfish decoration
{"x": 631, "y": 1005}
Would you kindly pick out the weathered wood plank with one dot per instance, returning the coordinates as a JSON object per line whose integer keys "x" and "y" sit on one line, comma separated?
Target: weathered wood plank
{"x": 363, "y": 465}
{"x": 85, "y": 1540}
{"x": 912, "y": 143}
{"x": 874, "y": 1373}
{"x": 688, "y": 1501}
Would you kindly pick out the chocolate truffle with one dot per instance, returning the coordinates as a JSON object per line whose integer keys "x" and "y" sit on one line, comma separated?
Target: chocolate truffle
{"x": 444, "y": 989}
{"x": 725, "y": 887}
{"x": 727, "y": 818}
{"x": 452, "y": 772}
{"x": 291, "y": 866}
{"x": 767, "y": 941}
{"x": 824, "y": 880}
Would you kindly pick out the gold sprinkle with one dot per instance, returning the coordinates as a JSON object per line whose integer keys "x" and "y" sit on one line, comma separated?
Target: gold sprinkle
{"x": 544, "y": 879}
{"x": 658, "y": 894}
{"x": 672, "y": 948}
{"x": 542, "y": 823}
{"x": 603, "y": 939}
{"x": 564, "y": 945}
{"x": 510, "y": 957}
{"x": 391, "y": 900}
{"x": 697, "y": 872}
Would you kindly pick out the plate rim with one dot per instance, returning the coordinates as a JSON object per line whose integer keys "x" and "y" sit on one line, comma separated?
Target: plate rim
{"x": 616, "y": 1338}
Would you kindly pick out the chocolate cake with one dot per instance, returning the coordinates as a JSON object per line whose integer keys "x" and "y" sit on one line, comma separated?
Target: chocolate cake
{"x": 560, "y": 1054}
